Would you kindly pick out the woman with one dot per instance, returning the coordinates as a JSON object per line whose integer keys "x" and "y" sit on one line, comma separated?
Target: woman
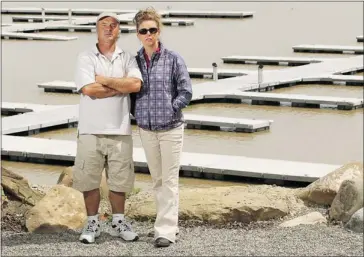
{"x": 158, "y": 112}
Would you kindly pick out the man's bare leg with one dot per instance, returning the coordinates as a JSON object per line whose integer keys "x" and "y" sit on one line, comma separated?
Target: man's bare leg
{"x": 92, "y": 201}
{"x": 117, "y": 200}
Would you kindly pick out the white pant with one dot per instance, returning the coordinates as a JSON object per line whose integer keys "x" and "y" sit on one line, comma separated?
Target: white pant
{"x": 163, "y": 150}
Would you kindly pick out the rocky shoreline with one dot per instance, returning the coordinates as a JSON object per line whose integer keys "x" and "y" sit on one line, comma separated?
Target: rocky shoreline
{"x": 332, "y": 203}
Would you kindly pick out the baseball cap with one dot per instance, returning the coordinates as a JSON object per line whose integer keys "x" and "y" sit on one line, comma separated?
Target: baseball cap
{"x": 108, "y": 14}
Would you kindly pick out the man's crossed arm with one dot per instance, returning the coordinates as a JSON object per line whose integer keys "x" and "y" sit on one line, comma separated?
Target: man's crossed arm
{"x": 107, "y": 86}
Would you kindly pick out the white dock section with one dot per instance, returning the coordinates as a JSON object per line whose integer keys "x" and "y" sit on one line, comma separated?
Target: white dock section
{"x": 85, "y": 28}
{"x": 359, "y": 38}
{"x": 221, "y": 73}
{"x": 237, "y": 125}
{"x": 166, "y": 13}
{"x": 279, "y": 78}
{"x": 63, "y": 23}
{"x": 67, "y": 116}
{"x": 33, "y": 122}
{"x": 128, "y": 20}
{"x": 60, "y": 11}
{"x": 210, "y": 14}
{"x": 70, "y": 87}
{"x": 329, "y": 49}
{"x": 296, "y": 100}
{"x": 75, "y": 28}
{"x": 192, "y": 164}
{"x": 59, "y": 86}
{"x": 37, "y": 18}
{"x": 337, "y": 80}
{"x": 5, "y": 24}
{"x": 34, "y": 36}
{"x": 16, "y": 108}
{"x": 291, "y": 61}
{"x": 165, "y": 21}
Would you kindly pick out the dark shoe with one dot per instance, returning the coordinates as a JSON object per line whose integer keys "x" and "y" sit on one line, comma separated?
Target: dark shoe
{"x": 162, "y": 242}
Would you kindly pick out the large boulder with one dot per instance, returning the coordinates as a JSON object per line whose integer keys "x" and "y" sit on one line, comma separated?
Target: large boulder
{"x": 348, "y": 200}
{"x": 324, "y": 190}
{"x": 356, "y": 221}
{"x": 18, "y": 187}
{"x": 66, "y": 179}
{"x": 308, "y": 219}
{"x": 62, "y": 208}
{"x": 219, "y": 205}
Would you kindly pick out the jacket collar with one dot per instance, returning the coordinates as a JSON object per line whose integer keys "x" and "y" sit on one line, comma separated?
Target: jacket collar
{"x": 140, "y": 53}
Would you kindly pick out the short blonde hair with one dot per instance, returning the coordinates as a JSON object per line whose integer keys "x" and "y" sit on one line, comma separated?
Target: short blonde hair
{"x": 148, "y": 14}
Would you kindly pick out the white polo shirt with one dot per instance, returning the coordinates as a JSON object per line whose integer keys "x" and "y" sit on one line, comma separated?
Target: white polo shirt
{"x": 106, "y": 116}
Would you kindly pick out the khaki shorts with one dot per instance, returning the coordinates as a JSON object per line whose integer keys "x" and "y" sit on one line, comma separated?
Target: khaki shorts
{"x": 98, "y": 152}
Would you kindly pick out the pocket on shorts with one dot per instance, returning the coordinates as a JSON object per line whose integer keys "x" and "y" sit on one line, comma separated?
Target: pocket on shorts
{"x": 80, "y": 164}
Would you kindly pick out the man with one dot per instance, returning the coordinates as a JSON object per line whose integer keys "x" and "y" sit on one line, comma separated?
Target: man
{"x": 105, "y": 76}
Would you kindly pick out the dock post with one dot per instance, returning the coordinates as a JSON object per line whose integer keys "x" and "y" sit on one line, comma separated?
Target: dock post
{"x": 260, "y": 75}
{"x": 69, "y": 16}
{"x": 43, "y": 14}
{"x": 214, "y": 71}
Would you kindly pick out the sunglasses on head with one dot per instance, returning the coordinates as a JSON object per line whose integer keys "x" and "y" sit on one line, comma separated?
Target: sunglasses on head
{"x": 145, "y": 31}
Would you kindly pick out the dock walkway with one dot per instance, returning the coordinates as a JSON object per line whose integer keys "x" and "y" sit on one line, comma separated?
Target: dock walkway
{"x": 10, "y": 108}
{"x": 271, "y": 60}
{"x": 329, "y": 49}
{"x": 95, "y": 12}
{"x": 280, "y": 78}
{"x": 192, "y": 164}
{"x": 296, "y": 100}
{"x": 67, "y": 116}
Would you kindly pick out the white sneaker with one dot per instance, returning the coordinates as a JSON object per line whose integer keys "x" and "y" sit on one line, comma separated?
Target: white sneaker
{"x": 123, "y": 229}
{"x": 90, "y": 232}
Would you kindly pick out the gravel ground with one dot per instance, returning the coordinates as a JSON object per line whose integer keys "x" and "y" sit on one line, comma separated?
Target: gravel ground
{"x": 256, "y": 240}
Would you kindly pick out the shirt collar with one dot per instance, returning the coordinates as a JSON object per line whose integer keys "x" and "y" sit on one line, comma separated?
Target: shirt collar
{"x": 96, "y": 51}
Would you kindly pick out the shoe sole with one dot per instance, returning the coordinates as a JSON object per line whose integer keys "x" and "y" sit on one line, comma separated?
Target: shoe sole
{"x": 160, "y": 246}
{"x": 117, "y": 235}
{"x": 85, "y": 241}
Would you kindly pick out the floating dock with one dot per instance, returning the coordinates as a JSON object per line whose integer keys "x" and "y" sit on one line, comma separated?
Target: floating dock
{"x": 359, "y": 38}
{"x": 337, "y": 80}
{"x": 79, "y": 28}
{"x": 221, "y": 73}
{"x": 295, "y": 100}
{"x": 70, "y": 87}
{"x": 128, "y": 20}
{"x": 95, "y": 12}
{"x": 38, "y": 18}
{"x": 33, "y": 122}
{"x": 67, "y": 116}
{"x": 34, "y": 36}
{"x": 60, "y": 11}
{"x": 59, "y": 23}
{"x": 329, "y": 49}
{"x": 287, "y": 77}
{"x": 222, "y": 123}
{"x": 210, "y": 14}
{"x": 192, "y": 164}
{"x": 59, "y": 86}
{"x": 286, "y": 61}
{"x": 11, "y": 108}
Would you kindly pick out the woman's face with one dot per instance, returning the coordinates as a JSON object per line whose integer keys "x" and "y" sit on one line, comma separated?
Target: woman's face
{"x": 148, "y": 33}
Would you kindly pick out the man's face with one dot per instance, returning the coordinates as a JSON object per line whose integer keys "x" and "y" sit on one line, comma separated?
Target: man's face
{"x": 108, "y": 29}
